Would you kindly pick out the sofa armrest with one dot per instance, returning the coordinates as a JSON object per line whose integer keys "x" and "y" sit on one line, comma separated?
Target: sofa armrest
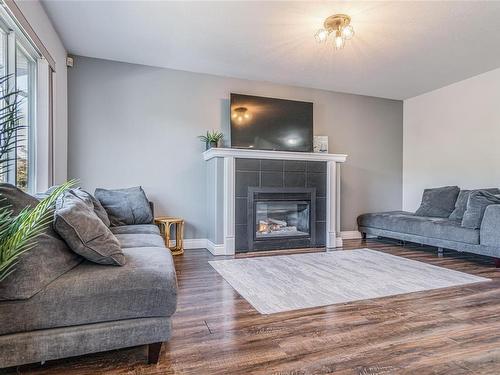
{"x": 490, "y": 226}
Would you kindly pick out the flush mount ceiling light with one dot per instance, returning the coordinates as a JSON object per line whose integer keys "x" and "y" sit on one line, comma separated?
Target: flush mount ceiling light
{"x": 340, "y": 26}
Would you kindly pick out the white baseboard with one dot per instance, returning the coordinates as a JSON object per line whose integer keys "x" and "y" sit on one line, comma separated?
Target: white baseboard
{"x": 218, "y": 249}
{"x": 215, "y": 249}
{"x": 193, "y": 243}
{"x": 202, "y": 244}
{"x": 350, "y": 234}
{"x": 353, "y": 235}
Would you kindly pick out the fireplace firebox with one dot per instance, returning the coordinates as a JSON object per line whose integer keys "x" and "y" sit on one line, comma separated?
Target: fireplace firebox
{"x": 280, "y": 218}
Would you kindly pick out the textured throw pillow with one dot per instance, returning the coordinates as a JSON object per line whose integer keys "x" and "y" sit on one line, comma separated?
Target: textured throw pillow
{"x": 45, "y": 262}
{"x": 92, "y": 203}
{"x": 125, "y": 206}
{"x": 476, "y": 205}
{"x": 461, "y": 204}
{"x": 46, "y": 193}
{"x": 15, "y": 198}
{"x": 438, "y": 202}
{"x": 86, "y": 197}
{"x": 85, "y": 233}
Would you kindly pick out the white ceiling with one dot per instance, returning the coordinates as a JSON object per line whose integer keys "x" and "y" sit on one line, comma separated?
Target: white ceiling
{"x": 401, "y": 49}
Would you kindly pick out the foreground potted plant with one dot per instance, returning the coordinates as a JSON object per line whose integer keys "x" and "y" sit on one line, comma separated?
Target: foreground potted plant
{"x": 18, "y": 233}
{"x": 212, "y": 139}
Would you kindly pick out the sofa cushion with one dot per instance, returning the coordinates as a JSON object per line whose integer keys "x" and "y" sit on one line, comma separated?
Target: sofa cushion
{"x": 405, "y": 222}
{"x": 381, "y": 220}
{"x": 45, "y": 262}
{"x": 125, "y": 206}
{"x": 139, "y": 240}
{"x": 461, "y": 203}
{"x": 85, "y": 233}
{"x": 136, "y": 229}
{"x": 90, "y": 293}
{"x": 476, "y": 205}
{"x": 438, "y": 202}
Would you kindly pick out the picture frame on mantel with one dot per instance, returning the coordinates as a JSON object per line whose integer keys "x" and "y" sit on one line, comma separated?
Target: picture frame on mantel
{"x": 320, "y": 144}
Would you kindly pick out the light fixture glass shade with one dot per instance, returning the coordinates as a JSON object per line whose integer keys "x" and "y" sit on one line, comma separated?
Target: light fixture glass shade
{"x": 339, "y": 42}
{"x": 337, "y": 27}
{"x": 321, "y": 35}
{"x": 348, "y": 32}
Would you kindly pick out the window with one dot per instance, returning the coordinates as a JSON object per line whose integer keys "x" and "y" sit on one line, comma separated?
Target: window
{"x": 25, "y": 84}
{"x": 18, "y": 59}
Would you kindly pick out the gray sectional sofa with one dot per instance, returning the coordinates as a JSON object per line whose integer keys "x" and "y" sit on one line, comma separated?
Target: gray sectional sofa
{"x": 93, "y": 307}
{"x": 450, "y": 232}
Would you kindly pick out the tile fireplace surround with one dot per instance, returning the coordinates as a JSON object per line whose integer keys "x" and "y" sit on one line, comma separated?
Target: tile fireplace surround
{"x": 221, "y": 199}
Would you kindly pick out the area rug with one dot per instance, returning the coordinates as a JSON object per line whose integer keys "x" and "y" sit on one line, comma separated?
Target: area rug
{"x": 273, "y": 284}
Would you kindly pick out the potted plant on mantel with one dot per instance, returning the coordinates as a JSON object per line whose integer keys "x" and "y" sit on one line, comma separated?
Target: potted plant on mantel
{"x": 212, "y": 139}
{"x": 18, "y": 233}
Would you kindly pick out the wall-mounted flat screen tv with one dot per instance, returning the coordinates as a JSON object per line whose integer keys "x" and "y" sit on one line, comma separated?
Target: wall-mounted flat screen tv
{"x": 271, "y": 124}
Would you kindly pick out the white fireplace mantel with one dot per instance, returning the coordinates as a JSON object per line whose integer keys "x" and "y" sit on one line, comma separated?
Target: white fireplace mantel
{"x": 277, "y": 155}
{"x": 221, "y": 192}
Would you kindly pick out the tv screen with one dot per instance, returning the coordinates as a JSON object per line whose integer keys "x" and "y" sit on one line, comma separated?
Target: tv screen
{"x": 271, "y": 124}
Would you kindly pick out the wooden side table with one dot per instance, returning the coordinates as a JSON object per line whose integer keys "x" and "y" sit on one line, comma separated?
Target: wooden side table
{"x": 165, "y": 224}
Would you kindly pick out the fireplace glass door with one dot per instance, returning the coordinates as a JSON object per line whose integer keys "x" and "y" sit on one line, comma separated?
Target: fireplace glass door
{"x": 276, "y": 219}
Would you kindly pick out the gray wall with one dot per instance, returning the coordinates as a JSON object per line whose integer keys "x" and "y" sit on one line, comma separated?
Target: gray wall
{"x": 137, "y": 125}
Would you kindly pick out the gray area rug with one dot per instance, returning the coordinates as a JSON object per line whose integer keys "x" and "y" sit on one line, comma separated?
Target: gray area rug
{"x": 280, "y": 283}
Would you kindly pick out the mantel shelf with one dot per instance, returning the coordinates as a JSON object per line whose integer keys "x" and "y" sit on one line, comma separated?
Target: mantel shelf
{"x": 265, "y": 154}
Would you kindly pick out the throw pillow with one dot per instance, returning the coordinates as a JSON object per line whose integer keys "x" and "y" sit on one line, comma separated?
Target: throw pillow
{"x": 85, "y": 233}
{"x": 125, "y": 206}
{"x": 87, "y": 198}
{"x": 438, "y": 202}
{"x": 461, "y": 204}
{"x": 15, "y": 198}
{"x": 476, "y": 205}
{"x": 45, "y": 262}
{"x": 46, "y": 193}
{"x": 92, "y": 203}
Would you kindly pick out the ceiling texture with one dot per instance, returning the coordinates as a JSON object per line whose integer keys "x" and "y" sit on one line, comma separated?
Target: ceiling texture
{"x": 401, "y": 49}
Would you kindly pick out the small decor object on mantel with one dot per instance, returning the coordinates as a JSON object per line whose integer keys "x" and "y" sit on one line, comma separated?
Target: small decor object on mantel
{"x": 321, "y": 143}
{"x": 212, "y": 139}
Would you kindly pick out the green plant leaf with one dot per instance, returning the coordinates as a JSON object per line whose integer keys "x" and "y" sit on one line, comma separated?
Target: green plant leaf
{"x": 18, "y": 233}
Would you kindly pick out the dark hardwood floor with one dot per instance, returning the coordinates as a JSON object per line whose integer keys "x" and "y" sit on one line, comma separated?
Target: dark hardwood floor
{"x": 447, "y": 331}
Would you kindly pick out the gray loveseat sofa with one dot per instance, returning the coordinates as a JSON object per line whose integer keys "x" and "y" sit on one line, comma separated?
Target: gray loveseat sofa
{"x": 93, "y": 307}
{"x": 441, "y": 232}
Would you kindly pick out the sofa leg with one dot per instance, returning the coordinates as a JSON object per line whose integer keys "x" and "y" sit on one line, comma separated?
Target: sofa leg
{"x": 154, "y": 352}
{"x": 440, "y": 252}
{"x": 497, "y": 262}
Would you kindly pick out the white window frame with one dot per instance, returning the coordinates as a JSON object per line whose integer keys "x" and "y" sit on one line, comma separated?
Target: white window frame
{"x": 17, "y": 39}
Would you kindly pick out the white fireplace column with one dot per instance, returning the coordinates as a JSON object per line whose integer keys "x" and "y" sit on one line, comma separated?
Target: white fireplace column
{"x": 221, "y": 193}
{"x": 229, "y": 223}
